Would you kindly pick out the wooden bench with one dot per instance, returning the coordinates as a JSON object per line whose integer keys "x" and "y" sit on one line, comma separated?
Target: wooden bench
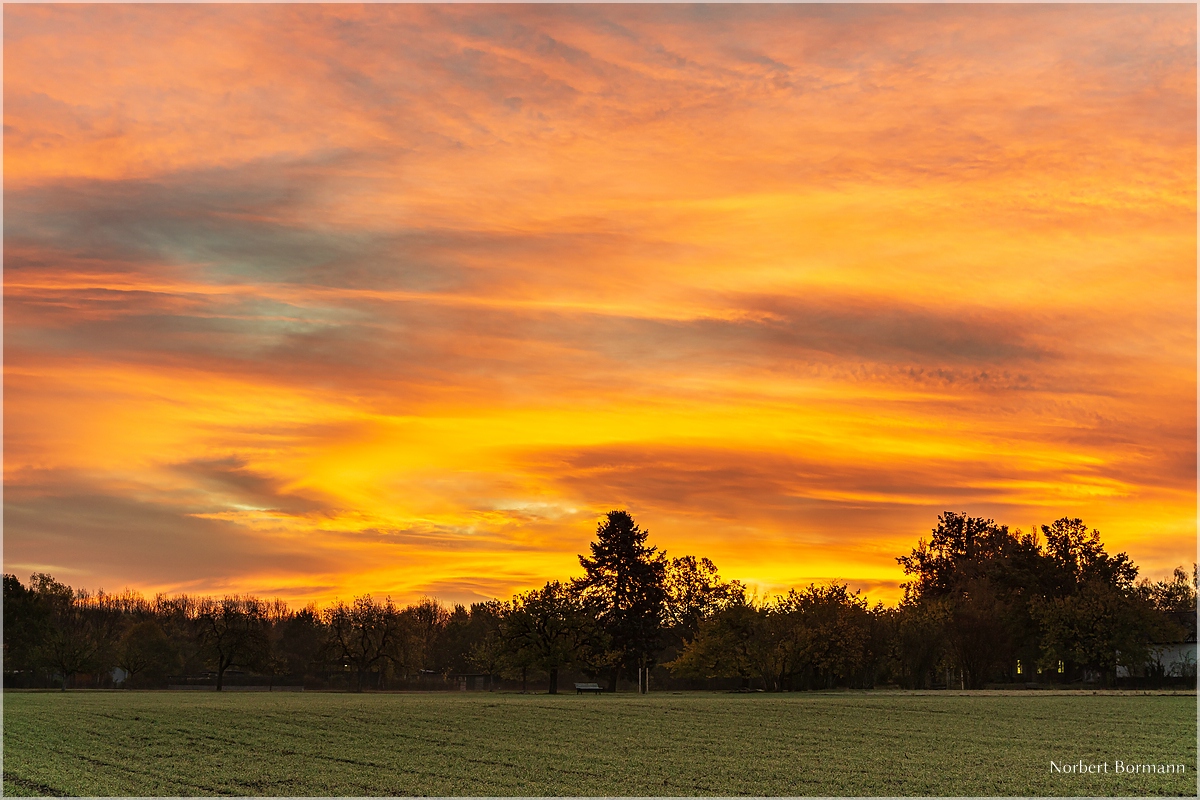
{"x": 580, "y": 688}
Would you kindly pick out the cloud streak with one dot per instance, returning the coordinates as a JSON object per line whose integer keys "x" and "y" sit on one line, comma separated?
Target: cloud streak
{"x": 402, "y": 298}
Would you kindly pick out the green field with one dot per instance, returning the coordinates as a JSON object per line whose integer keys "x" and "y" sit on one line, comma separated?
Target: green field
{"x": 158, "y": 743}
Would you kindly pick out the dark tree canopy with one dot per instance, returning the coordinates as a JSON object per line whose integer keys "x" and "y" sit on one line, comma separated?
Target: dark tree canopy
{"x": 364, "y": 636}
{"x": 1005, "y": 599}
{"x": 956, "y": 552}
{"x": 232, "y": 632}
{"x": 144, "y": 649}
{"x": 1078, "y": 556}
{"x": 623, "y": 586}
{"x": 982, "y": 605}
{"x": 26, "y": 625}
{"x": 548, "y": 629}
{"x": 693, "y": 590}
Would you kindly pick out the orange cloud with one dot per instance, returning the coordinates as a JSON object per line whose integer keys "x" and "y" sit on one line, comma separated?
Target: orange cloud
{"x": 317, "y": 300}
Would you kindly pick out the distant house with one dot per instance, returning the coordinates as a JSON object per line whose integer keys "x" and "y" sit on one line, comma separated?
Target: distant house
{"x": 1173, "y": 659}
{"x": 1178, "y": 659}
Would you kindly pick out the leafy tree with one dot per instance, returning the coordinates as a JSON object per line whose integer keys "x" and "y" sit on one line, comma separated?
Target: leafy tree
{"x": 26, "y": 626}
{"x": 1078, "y": 557}
{"x": 1098, "y": 627}
{"x": 983, "y": 577}
{"x": 817, "y": 637}
{"x": 726, "y": 645}
{"x": 827, "y": 629}
{"x": 778, "y": 648}
{"x": 919, "y": 641}
{"x": 487, "y": 648}
{"x": 876, "y": 660}
{"x": 546, "y": 629}
{"x": 956, "y": 552}
{"x": 623, "y": 586}
{"x": 693, "y": 591}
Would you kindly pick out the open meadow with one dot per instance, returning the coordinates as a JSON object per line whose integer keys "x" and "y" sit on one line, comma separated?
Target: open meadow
{"x": 159, "y": 743}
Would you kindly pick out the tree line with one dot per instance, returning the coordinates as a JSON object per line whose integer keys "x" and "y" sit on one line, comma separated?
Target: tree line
{"x": 982, "y": 604}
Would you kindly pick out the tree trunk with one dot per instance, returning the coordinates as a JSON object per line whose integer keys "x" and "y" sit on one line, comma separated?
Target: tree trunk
{"x": 612, "y": 679}
{"x": 554, "y": 681}
{"x": 220, "y": 677}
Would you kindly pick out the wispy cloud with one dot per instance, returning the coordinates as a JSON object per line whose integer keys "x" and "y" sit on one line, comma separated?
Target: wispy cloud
{"x": 316, "y": 300}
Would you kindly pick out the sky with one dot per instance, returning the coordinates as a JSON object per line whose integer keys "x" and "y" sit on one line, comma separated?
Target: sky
{"x": 316, "y": 301}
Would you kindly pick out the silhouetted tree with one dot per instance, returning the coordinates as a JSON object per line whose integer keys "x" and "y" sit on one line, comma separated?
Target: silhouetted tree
{"x": 1078, "y": 557}
{"x": 983, "y": 577}
{"x": 981, "y": 599}
{"x": 486, "y": 649}
{"x": 959, "y": 550}
{"x": 694, "y": 591}
{"x": 546, "y": 628}
{"x": 623, "y": 588}
{"x": 1176, "y": 596}
{"x": 427, "y": 621}
{"x": 81, "y": 632}
{"x": 298, "y": 639}
{"x": 145, "y": 651}
{"x": 177, "y": 618}
{"x": 453, "y": 642}
{"x": 26, "y": 626}
{"x": 976, "y": 631}
{"x": 232, "y": 632}
{"x": 919, "y": 641}
{"x": 365, "y": 635}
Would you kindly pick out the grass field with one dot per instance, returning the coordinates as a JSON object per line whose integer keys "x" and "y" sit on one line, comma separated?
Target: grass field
{"x": 157, "y": 743}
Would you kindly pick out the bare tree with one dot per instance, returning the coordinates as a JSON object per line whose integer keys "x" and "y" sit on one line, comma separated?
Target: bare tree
{"x": 144, "y": 649}
{"x": 82, "y": 628}
{"x": 232, "y": 632}
{"x": 365, "y": 635}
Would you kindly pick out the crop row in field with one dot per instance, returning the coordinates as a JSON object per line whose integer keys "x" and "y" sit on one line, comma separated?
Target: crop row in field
{"x": 155, "y": 743}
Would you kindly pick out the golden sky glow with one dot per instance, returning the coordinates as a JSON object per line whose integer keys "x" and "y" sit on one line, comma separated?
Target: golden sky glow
{"x": 312, "y": 301}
